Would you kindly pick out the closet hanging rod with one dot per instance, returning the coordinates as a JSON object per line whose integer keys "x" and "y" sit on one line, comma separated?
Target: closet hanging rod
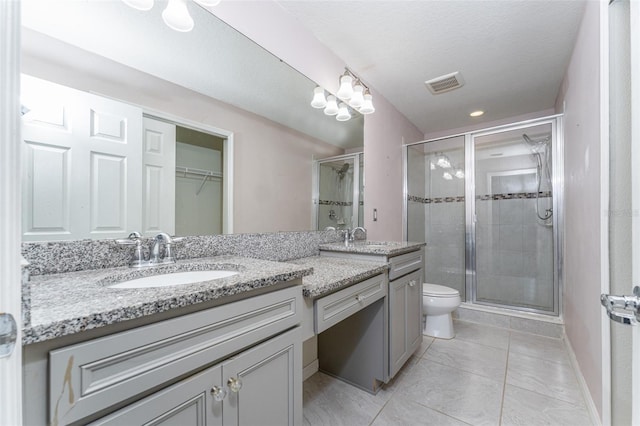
{"x": 200, "y": 172}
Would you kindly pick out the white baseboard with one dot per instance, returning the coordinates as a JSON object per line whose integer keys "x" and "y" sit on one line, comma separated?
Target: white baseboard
{"x": 591, "y": 407}
{"x": 310, "y": 369}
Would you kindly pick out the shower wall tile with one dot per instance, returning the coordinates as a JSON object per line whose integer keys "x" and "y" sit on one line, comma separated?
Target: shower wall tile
{"x": 511, "y": 212}
{"x": 511, "y": 237}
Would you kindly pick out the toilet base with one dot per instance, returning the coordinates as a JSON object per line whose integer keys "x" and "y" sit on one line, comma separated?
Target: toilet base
{"x": 440, "y": 326}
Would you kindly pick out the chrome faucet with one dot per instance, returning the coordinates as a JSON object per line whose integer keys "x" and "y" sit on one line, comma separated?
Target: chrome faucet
{"x": 156, "y": 256}
{"x": 352, "y": 234}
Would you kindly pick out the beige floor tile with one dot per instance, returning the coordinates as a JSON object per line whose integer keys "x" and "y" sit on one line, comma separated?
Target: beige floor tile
{"x": 553, "y": 379}
{"x": 522, "y": 407}
{"x": 402, "y": 412}
{"x": 465, "y": 396}
{"x": 329, "y": 401}
{"x": 471, "y": 357}
{"x": 482, "y": 334}
{"x": 538, "y": 346}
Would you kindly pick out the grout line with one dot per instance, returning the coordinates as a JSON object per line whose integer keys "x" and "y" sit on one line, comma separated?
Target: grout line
{"x": 504, "y": 382}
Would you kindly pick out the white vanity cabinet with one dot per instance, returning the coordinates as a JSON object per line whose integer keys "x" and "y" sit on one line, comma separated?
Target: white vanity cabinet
{"x": 404, "y": 301}
{"x": 235, "y": 364}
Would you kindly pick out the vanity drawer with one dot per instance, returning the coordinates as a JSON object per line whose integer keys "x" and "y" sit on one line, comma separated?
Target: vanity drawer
{"x": 405, "y": 263}
{"x": 91, "y": 376}
{"x": 332, "y": 309}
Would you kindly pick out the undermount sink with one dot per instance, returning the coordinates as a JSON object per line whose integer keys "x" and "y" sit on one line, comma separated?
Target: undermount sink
{"x": 177, "y": 278}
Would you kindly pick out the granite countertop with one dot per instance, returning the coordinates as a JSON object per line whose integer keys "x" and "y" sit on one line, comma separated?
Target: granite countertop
{"x": 332, "y": 273}
{"x": 68, "y": 303}
{"x": 383, "y": 248}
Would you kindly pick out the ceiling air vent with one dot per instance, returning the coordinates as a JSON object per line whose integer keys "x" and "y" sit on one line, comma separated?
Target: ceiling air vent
{"x": 445, "y": 83}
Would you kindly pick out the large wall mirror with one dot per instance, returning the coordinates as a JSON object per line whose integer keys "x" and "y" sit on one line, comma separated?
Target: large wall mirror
{"x": 214, "y": 86}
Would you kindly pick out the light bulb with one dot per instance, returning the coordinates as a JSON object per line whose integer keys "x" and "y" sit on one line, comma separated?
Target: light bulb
{"x": 208, "y": 3}
{"x": 139, "y": 4}
{"x": 318, "y": 101}
{"x": 346, "y": 90}
{"x": 332, "y": 106}
{"x": 357, "y": 99}
{"x": 447, "y": 176}
{"x": 443, "y": 162}
{"x": 343, "y": 112}
{"x": 432, "y": 166}
{"x": 177, "y": 17}
{"x": 459, "y": 174}
{"x": 367, "y": 105}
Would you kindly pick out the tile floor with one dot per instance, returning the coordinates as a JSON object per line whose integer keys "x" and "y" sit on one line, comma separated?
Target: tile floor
{"x": 484, "y": 376}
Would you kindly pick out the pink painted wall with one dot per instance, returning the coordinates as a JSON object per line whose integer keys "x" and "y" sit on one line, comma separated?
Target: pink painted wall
{"x": 583, "y": 210}
{"x": 272, "y": 163}
{"x": 384, "y": 131}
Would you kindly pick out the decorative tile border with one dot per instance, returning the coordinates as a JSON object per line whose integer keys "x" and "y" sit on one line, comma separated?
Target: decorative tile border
{"x": 491, "y": 197}
{"x": 335, "y": 203}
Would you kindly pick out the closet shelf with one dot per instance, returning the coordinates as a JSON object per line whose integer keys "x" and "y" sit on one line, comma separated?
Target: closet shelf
{"x": 199, "y": 172}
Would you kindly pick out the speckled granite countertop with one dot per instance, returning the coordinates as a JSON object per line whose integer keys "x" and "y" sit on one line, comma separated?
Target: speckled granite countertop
{"x": 383, "y": 248}
{"x": 63, "y": 304}
{"x": 331, "y": 273}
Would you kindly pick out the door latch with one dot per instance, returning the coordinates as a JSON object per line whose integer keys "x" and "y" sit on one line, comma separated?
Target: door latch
{"x": 8, "y": 334}
{"x": 623, "y": 309}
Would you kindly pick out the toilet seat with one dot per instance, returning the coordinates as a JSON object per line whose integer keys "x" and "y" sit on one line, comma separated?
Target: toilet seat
{"x": 435, "y": 290}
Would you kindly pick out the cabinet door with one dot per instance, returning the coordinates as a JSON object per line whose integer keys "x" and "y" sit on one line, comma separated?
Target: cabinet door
{"x": 187, "y": 403}
{"x": 270, "y": 376}
{"x": 405, "y": 310}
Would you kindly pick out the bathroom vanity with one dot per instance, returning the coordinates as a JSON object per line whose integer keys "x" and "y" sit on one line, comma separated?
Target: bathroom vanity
{"x": 406, "y": 273}
{"x": 183, "y": 356}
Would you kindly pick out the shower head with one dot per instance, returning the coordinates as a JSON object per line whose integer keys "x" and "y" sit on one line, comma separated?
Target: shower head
{"x": 535, "y": 146}
{"x": 344, "y": 168}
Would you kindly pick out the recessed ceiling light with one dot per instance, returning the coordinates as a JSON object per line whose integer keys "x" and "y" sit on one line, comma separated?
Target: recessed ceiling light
{"x": 476, "y": 113}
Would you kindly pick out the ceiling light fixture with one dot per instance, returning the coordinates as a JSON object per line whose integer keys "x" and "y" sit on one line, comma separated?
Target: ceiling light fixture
{"x": 318, "y": 101}
{"x": 176, "y": 14}
{"x": 476, "y": 113}
{"x": 447, "y": 176}
{"x": 343, "y": 112}
{"x": 443, "y": 161}
{"x": 355, "y": 95}
{"x": 332, "y": 106}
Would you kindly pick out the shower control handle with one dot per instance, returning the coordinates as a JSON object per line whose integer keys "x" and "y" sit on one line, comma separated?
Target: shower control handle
{"x": 616, "y": 304}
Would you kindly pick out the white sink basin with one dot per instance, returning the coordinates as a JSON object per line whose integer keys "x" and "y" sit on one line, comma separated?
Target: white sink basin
{"x": 178, "y": 278}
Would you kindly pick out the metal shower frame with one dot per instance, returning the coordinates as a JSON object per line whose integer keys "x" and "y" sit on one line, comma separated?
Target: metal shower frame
{"x": 557, "y": 134}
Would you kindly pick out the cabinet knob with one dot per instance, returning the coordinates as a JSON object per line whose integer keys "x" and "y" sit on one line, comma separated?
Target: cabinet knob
{"x": 234, "y": 384}
{"x": 218, "y": 393}
{"x": 412, "y": 283}
{"x": 360, "y": 298}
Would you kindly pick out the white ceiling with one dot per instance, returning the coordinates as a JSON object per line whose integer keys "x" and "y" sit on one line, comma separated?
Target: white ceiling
{"x": 511, "y": 54}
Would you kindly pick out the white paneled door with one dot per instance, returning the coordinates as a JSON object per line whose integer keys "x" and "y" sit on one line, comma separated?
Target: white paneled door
{"x": 635, "y": 185}
{"x": 10, "y": 357}
{"x": 82, "y": 164}
{"x": 159, "y": 177}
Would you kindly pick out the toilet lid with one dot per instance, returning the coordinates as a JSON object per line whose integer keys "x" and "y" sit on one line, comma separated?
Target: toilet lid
{"x": 438, "y": 290}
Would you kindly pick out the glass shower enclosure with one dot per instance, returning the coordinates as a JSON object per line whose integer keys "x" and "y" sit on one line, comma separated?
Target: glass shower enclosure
{"x": 338, "y": 192}
{"x": 487, "y": 205}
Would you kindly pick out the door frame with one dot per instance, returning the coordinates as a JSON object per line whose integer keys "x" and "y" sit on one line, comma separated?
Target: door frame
{"x": 10, "y": 206}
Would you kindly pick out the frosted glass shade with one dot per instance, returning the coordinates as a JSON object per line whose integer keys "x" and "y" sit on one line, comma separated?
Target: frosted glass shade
{"x": 139, "y": 4}
{"x": 332, "y": 106}
{"x": 343, "y": 112}
{"x": 318, "y": 101}
{"x": 346, "y": 89}
{"x": 208, "y": 3}
{"x": 177, "y": 17}
{"x": 357, "y": 99}
{"x": 367, "y": 105}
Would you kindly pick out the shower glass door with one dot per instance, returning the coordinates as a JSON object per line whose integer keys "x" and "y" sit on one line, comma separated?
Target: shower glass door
{"x": 338, "y": 194}
{"x": 514, "y": 219}
{"x": 436, "y": 208}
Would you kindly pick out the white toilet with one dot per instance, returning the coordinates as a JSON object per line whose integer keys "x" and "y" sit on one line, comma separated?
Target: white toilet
{"x": 438, "y": 302}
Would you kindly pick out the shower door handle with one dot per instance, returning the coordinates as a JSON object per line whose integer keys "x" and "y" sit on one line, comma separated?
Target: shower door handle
{"x": 623, "y": 309}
